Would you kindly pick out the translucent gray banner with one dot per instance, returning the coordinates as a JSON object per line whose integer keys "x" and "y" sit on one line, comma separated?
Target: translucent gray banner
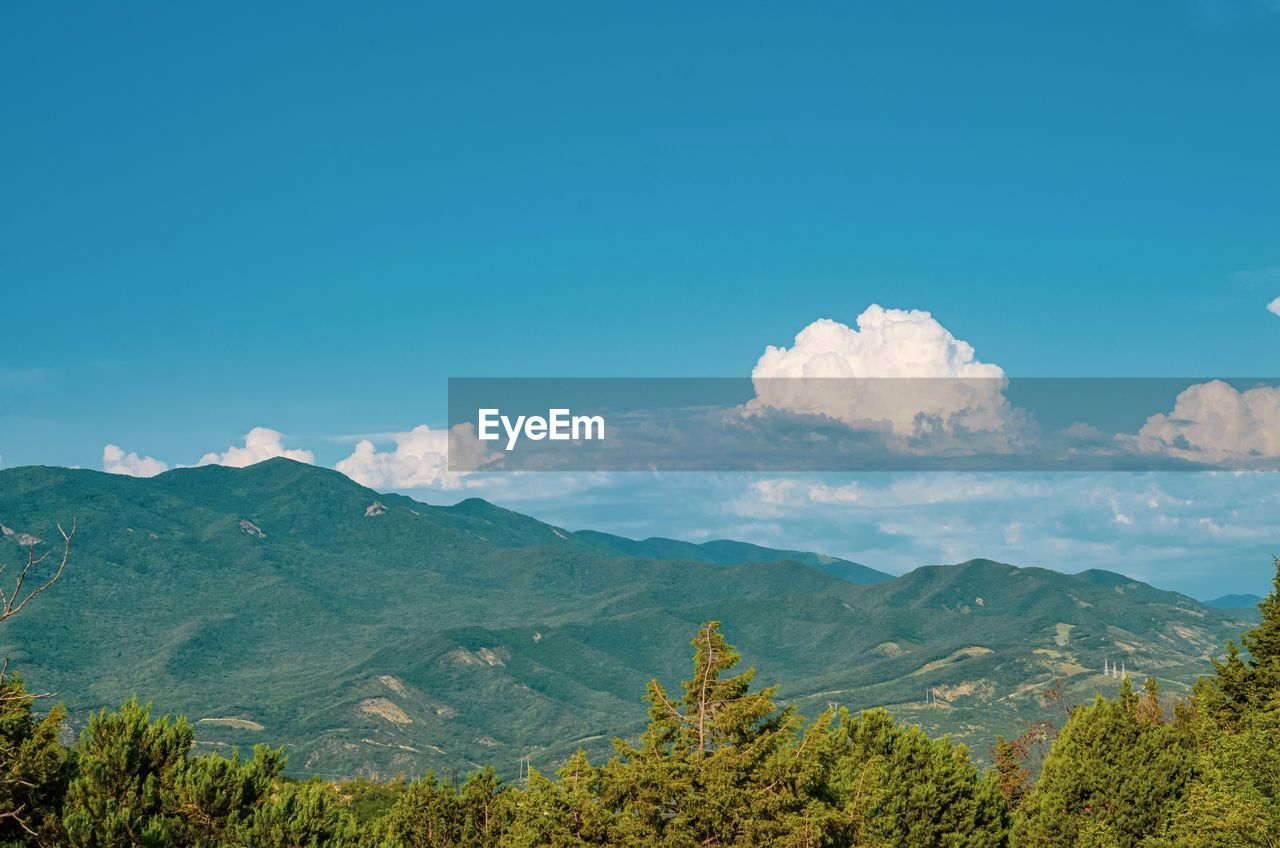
{"x": 863, "y": 424}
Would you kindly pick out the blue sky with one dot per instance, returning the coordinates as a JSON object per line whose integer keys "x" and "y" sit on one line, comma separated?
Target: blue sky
{"x": 307, "y": 218}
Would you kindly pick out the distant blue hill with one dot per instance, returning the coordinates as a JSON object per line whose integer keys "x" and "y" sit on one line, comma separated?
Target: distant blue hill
{"x": 1234, "y": 602}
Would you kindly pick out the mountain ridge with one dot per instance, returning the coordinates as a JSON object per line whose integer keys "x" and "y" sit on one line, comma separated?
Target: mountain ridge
{"x": 371, "y": 633}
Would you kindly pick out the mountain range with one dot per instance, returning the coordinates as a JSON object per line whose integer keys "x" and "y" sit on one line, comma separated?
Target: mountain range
{"x": 1243, "y": 603}
{"x": 372, "y": 634}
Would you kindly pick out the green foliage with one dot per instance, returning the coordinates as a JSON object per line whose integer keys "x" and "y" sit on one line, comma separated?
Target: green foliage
{"x": 1096, "y": 832}
{"x": 298, "y": 815}
{"x": 34, "y": 768}
{"x": 370, "y": 800}
{"x": 724, "y": 765}
{"x": 126, "y": 767}
{"x": 212, "y": 796}
{"x": 1121, "y": 775}
{"x": 1118, "y": 766}
{"x": 564, "y": 813}
{"x": 429, "y": 814}
{"x": 902, "y": 789}
{"x": 136, "y": 784}
{"x": 1232, "y": 803}
{"x": 719, "y": 766}
{"x": 425, "y": 814}
{"x": 1247, "y": 683}
{"x": 1263, "y": 641}
{"x": 1234, "y": 799}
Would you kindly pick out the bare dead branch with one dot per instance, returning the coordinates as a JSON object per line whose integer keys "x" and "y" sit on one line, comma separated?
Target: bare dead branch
{"x": 16, "y": 815}
{"x": 11, "y": 603}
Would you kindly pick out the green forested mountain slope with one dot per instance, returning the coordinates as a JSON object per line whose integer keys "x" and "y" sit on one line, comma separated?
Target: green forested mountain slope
{"x": 727, "y": 552}
{"x": 374, "y": 634}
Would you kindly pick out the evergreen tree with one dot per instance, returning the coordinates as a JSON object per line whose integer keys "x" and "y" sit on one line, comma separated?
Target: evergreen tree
{"x": 370, "y": 800}
{"x": 1245, "y": 683}
{"x": 720, "y": 766}
{"x": 1234, "y": 798}
{"x": 564, "y": 813}
{"x": 213, "y": 796}
{"x": 483, "y": 810}
{"x": 1008, "y": 760}
{"x": 126, "y": 766}
{"x": 426, "y": 815}
{"x": 431, "y": 815}
{"x": 901, "y": 789}
{"x": 136, "y": 784}
{"x": 298, "y": 815}
{"x": 1096, "y": 832}
{"x": 1118, "y": 769}
{"x": 1263, "y": 641}
{"x": 34, "y": 768}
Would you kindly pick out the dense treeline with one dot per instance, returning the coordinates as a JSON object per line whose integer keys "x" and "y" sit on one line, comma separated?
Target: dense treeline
{"x": 720, "y": 764}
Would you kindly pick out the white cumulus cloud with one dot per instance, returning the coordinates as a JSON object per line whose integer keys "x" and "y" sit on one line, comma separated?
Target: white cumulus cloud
{"x": 1213, "y": 422}
{"x": 260, "y": 443}
{"x": 965, "y": 393}
{"x": 419, "y": 460}
{"x": 1274, "y": 306}
{"x": 116, "y": 461}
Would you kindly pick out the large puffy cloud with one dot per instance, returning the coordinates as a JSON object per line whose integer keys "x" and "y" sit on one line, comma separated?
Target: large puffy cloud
{"x": 420, "y": 460}
{"x": 1274, "y": 306}
{"x": 260, "y": 443}
{"x": 1213, "y": 422}
{"x": 116, "y": 461}
{"x": 964, "y": 394}
{"x": 887, "y": 343}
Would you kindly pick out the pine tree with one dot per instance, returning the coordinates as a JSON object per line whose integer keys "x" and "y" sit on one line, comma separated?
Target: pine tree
{"x": 125, "y": 767}
{"x": 1234, "y": 798}
{"x": 427, "y": 815}
{"x": 34, "y": 768}
{"x": 901, "y": 789}
{"x": 483, "y": 808}
{"x": 1263, "y": 641}
{"x": 1118, "y": 768}
{"x": 136, "y": 784}
{"x": 721, "y": 766}
{"x": 1008, "y": 760}
{"x": 213, "y": 796}
{"x": 1244, "y": 683}
{"x": 564, "y": 813}
{"x": 1096, "y": 832}
{"x": 298, "y": 815}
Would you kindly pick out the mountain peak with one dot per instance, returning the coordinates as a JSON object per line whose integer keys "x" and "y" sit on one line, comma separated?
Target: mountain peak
{"x": 269, "y": 474}
{"x": 227, "y": 567}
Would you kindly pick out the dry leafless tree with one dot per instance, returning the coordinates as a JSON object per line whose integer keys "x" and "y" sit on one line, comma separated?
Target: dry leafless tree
{"x": 26, "y": 586}
{"x": 13, "y": 600}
